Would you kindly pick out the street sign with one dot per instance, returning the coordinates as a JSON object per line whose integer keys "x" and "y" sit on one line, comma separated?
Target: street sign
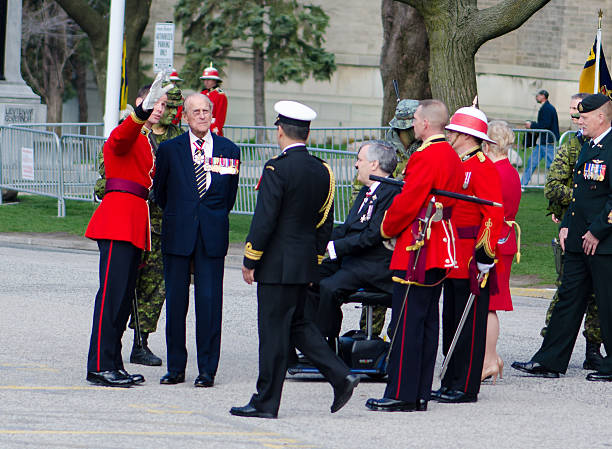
{"x": 163, "y": 48}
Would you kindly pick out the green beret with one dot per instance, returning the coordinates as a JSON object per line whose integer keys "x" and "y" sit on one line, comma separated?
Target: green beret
{"x": 592, "y": 102}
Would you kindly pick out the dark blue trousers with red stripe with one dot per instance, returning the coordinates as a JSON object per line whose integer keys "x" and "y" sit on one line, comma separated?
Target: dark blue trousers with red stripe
{"x": 465, "y": 366}
{"x": 413, "y": 354}
{"x": 118, "y": 270}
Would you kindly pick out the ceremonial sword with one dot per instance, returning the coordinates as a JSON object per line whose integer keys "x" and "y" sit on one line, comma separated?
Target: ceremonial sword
{"x": 458, "y": 196}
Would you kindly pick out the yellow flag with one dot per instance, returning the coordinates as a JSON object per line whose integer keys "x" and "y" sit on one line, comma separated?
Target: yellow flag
{"x": 587, "y": 77}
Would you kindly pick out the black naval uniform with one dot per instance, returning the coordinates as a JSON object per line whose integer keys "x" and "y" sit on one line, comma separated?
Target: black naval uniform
{"x": 590, "y": 210}
{"x": 288, "y": 235}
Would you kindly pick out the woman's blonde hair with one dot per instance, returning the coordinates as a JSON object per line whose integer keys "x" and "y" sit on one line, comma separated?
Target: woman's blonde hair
{"x": 500, "y": 132}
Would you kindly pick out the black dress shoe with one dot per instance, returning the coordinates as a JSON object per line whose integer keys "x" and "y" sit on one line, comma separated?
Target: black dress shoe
{"x": 421, "y": 405}
{"x": 112, "y": 378}
{"x": 535, "y": 369}
{"x": 204, "y": 380}
{"x": 599, "y": 377}
{"x": 138, "y": 378}
{"x": 172, "y": 378}
{"x": 456, "y": 397}
{"x": 248, "y": 411}
{"x": 390, "y": 405}
{"x": 343, "y": 393}
{"x": 435, "y": 394}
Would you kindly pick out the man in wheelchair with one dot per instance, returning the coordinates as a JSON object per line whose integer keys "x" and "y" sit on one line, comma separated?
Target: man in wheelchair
{"x": 358, "y": 256}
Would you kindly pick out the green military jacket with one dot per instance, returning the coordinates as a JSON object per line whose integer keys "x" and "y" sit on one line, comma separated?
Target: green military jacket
{"x": 558, "y": 187}
{"x": 591, "y": 206}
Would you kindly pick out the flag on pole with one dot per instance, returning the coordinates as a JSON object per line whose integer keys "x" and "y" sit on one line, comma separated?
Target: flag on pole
{"x": 587, "y": 77}
{"x": 124, "y": 81}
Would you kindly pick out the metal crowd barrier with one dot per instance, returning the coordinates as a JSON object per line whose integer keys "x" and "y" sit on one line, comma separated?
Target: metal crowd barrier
{"x": 66, "y": 167}
{"x": 80, "y": 128}
{"x": 535, "y": 150}
{"x": 30, "y": 161}
{"x": 254, "y": 156}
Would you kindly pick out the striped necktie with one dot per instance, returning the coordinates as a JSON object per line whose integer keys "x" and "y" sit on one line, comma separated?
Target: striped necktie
{"x": 200, "y": 174}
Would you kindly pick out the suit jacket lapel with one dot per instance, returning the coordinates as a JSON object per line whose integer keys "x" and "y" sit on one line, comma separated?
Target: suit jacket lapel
{"x": 186, "y": 160}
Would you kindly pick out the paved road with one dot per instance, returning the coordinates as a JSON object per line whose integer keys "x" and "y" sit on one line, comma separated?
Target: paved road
{"x": 46, "y": 298}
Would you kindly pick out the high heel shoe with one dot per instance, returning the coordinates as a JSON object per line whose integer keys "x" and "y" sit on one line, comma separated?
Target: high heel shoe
{"x": 500, "y": 364}
{"x": 491, "y": 372}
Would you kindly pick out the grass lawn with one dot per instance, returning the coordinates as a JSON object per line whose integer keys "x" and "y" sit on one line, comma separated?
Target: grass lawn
{"x": 39, "y": 214}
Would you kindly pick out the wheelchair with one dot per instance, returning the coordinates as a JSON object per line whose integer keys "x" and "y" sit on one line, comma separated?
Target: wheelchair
{"x": 363, "y": 353}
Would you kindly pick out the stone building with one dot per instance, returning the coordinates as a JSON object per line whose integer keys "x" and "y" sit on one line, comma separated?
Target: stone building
{"x": 548, "y": 52}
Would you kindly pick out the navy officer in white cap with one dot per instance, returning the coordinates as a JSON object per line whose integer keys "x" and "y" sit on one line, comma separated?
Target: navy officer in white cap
{"x": 289, "y": 233}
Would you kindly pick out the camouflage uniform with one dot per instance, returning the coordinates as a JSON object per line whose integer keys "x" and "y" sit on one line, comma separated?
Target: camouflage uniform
{"x": 400, "y": 123}
{"x": 558, "y": 191}
{"x": 150, "y": 290}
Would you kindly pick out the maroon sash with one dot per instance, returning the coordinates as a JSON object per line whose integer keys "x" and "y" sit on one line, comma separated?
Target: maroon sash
{"x": 126, "y": 186}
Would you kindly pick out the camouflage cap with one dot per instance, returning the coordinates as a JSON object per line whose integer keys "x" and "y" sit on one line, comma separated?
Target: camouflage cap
{"x": 175, "y": 97}
{"x": 404, "y": 113}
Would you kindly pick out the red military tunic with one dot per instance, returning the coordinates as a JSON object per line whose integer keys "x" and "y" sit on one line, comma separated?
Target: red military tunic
{"x": 433, "y": 165}
{"x": 125, "y": 216}
{"x": 478, "y": 226}
{"x": 219, "y": 101}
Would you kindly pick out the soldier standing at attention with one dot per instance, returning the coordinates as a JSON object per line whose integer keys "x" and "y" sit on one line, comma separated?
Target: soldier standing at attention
{"x": 415, "y": 319}
{"x": 558, "y": 190}
{"x": 211, "y": 78}
{"x": 478, "y": 229}
{"x": 289, "y": 234}
{"x": 401, "y": 134}
{"x": 586, "y": 238}
{"x": 121, "y": 227}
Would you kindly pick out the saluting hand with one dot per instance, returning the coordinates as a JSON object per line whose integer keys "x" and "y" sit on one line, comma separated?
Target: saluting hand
{"x": 248, "y": 275}
{"x": 562, "y": 237}
{"x": 589, "y": 243}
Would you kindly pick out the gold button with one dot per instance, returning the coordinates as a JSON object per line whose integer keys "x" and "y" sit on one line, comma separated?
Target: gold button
{"x": 445, "y": 240}
{"x": 575, "y": 185}
{"x": 573, "y": 200}
{"x": 579, "y": 172}
{"x": 572, "y": 214}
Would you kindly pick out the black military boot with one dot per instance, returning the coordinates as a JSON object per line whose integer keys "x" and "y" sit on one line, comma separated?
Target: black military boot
{"x": 142, "y": 355}
{"x": 593, "y": 358}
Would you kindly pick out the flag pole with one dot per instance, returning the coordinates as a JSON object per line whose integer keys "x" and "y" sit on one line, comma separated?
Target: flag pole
{"x": 597, "y": 54}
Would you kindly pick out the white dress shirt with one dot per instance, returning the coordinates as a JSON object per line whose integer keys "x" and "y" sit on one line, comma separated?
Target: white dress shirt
{"x": 208, "y": 150}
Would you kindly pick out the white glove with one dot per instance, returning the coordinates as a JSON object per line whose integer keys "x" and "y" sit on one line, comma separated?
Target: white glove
{"x": 331, "y": 249}
{"x": 484, "y": 267}
{"x": 156, "y": 92}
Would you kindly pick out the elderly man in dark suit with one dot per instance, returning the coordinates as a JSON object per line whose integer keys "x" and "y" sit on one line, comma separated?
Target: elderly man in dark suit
{"x": 195, "y": 183}
{"x": 357, "y": 256}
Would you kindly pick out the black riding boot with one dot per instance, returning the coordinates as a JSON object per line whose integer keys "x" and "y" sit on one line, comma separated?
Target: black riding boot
{"x": 142, "y": 355}
{"x": 593, "y": 357}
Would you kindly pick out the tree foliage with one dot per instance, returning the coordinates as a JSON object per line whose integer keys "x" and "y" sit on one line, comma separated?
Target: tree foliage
{"x": 456, "y": 29}
{"x": 285, "y": 34}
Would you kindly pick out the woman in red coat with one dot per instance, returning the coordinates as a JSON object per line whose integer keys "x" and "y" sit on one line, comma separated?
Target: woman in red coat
{"x": 500, "y": 132}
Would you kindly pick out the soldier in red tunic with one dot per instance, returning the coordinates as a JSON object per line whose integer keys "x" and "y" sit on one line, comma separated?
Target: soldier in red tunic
{"x": 478, "y": 229}
{"x": 120, "y": 225}
{"x": 419, "y": 264}
{"x": 211, "y": 78}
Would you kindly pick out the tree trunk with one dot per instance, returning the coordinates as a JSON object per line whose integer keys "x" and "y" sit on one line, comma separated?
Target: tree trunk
{"x": 259, "y": 86}
{"x": 404, "y": 56}
{"x": 456, "y": 29}
{"x": 136, "y": 19}
{"x": 80, "y": 84}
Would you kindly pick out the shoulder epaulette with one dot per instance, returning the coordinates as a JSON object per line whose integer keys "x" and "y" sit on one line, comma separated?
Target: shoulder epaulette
{"x": 425, "y": 145}
{"x": 279, "y": 156}
{"x": 218, "y": 89}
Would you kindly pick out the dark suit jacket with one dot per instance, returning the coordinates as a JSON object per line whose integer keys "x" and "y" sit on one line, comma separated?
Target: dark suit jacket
{"x": 547, "y": 119}
{"x": 289, "y": 231}
{"x": 591, "y": 205}
{"x": 185, "y": 214}
{"x": 358, "y": 242}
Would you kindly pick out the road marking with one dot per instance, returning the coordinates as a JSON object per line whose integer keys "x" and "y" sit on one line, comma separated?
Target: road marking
{"x": 129, "y": 432}
{"x": 26, "y": 387}
{"x": 279, "y": 443}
